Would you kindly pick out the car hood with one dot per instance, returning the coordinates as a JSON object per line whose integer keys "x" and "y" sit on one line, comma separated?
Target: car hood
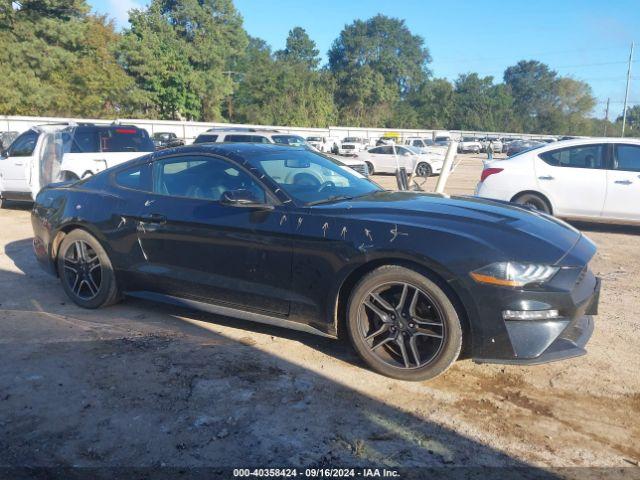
{"x": 513, "y": 232}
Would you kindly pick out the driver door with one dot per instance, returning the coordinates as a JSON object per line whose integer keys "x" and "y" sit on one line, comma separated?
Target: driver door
{"x": 198, "y": 247}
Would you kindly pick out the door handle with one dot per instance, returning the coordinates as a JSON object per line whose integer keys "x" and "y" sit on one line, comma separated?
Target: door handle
{"x": 18, "y": 164}
{"x": 624, "y": 182}
{"x": 153, "y": 218}
{"x": 545, "y": 177}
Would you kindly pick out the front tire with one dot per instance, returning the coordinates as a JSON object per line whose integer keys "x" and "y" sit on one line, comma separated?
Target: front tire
{"x": 403, "y": 325}
{"x": 533, "y": 201}
{"x": 86, "y": 272}
{"x": 424, "y": 170}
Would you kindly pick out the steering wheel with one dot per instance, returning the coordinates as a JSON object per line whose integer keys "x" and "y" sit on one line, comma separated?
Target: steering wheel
{"x": 325, "y": 185}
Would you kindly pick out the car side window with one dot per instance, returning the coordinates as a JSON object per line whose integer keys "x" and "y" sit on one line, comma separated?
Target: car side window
{"x": 207, "y": 178}
{"x": 204, "y": 138}
{"x": 136, "y": 178}
{"x": 376, "y": 150}
{"x": 627, "y": 158}
{"x": 24, "y": 145}
{"x": 585, "y": 156}
{"x": 386, "y": 150}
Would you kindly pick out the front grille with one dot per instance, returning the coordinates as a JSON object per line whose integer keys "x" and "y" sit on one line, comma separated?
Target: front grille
{"x": 362, "y": 169}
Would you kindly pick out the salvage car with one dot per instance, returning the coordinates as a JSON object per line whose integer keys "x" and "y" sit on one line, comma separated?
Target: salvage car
{"x": 252, "y": 231}
{"x": 589, "y": 179}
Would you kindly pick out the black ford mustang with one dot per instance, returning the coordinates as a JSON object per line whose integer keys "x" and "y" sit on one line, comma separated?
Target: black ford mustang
{"x": 286, "y": 236}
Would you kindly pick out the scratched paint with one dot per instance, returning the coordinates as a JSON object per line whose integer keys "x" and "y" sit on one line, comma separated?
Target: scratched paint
{"x": 283, "y": 219}
{"x": 325, "y": 227}
{"x": 367, "y": 233}
{"x": 343, "y": 232}
{"x": 395, "y": 233}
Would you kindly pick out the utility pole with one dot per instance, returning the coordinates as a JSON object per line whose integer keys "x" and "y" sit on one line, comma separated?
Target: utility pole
{"x": 626, "y": 93}
{"x": 606, "y": 118}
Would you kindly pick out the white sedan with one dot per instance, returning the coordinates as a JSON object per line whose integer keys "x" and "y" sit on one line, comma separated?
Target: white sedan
{"x": 388, "y": 158}
{"x": 597, "y": 178}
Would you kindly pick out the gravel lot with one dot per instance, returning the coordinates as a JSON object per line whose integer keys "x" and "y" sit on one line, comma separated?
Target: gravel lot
{"x": 141, "y": 384}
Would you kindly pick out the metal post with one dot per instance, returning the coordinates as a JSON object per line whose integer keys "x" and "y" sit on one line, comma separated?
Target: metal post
{"x": 626, "y": 93}
{"x": 606, "y": 118}
{"x": 446, "y": 167}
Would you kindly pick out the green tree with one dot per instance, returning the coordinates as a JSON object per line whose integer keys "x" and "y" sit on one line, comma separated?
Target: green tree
{"x": 532, "y": 85}
{"x": 433, "y": 103}
{"x": 276, "y": 91}
{"x": 300, "y": 49}
{"x": 181, "y": 53}
{"x": 478, "y": 104}
{"x": 376, "y": 63}
{"x": 632, "y": 126}
{"x": 57, "y": 60}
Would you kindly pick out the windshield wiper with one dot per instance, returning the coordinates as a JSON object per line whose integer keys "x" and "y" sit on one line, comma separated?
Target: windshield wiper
{"x": 333, "y": 198}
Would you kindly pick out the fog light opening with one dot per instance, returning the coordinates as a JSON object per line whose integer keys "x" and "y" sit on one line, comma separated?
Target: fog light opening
{"x": 530, "y": 314}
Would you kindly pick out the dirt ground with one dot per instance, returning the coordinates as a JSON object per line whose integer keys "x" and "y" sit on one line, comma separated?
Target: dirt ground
{"x": 142, "y": 384}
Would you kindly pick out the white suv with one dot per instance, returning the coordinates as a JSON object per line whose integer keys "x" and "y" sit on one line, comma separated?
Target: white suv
{"x": 50, "y": 153}
{"x": 597, "y": 178}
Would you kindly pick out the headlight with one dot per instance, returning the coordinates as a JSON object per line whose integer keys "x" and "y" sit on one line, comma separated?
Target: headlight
{"x": 513, "y": 274}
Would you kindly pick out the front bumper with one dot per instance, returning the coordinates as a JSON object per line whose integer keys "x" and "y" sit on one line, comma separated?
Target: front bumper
{"x": 536, "y": 342}
{"x": 574, "y": 292}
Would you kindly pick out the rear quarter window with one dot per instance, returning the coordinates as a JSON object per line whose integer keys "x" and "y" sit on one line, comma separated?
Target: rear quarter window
{"x": 582, "y": 156}
{"x": 135, "y": 178}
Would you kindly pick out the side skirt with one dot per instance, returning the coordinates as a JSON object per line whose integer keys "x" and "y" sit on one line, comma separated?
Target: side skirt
{"x": 227, "y": 311}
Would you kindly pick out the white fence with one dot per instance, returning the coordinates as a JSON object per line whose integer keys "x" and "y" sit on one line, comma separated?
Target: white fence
{"x": 190, "y": 130}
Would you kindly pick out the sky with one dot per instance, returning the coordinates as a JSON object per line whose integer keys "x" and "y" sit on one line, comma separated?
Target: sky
{"x": 585, "y": 39}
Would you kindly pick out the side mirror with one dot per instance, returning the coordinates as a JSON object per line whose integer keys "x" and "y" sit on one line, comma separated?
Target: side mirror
{"x": 243, "y": 198}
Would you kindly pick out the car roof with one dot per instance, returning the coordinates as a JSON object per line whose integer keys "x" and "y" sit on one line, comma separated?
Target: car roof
{"x": 575, "y": 142}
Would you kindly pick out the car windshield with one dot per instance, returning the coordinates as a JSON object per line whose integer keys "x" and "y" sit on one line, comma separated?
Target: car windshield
{"x": 294, "y": 140}
{"x": 310, "y": 178}
{"x": 351, "y": 140}
{"x": 314, "y": 139}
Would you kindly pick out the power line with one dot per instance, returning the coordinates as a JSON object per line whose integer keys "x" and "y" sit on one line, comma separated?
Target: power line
{"x": 530, "y": 55}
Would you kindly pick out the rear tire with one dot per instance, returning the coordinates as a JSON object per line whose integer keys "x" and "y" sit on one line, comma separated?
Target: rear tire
{"x": 86, "y": 272}
{"x": 533, "y": 201}
{"x": 3, "y": 202}
{"x": 403, "y": 325}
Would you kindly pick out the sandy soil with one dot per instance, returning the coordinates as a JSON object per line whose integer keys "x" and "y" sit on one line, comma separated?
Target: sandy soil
{"x": 140, "y": 384}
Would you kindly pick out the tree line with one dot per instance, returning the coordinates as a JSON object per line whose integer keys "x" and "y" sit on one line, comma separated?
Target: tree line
{"x": 193, "y": 60}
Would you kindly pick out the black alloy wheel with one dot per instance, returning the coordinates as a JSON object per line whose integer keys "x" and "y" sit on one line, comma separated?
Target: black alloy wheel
{"x": 86, "y": 271}
{"x": 424, "y": 169}
{"x": 403, "y": 324}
